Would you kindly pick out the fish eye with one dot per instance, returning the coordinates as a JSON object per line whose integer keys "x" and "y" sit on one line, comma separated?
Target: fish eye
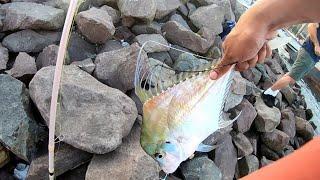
{"x": 158, "y": 155}
{"x": 168, "y": 142}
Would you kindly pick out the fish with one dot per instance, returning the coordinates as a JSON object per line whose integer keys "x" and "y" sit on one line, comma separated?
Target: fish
{"x": 179, "y": 112}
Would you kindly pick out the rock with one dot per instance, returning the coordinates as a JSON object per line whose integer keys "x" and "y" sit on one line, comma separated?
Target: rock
{"x": 117, "y": 68}
{"x": 189, "y": 62}
{"x": 159, "y": 73}
{"x": 75, "y": 174}
{"x": 165, "y": 7}
{"x": 253, "y": 138}
{"x": 217, "y": 136}
{"x": 179, "y": 19}
{"x": 214, "y": 53}
{"x": 178, "y": 34}
{"x": 142, "y": 9}
{"x": 287, "y": 124}
{"x": 4, "y": 156}
{"x": 151, "y": 47}
{"x": 242, "y": 86}
{"x": 100, "y": 21}
{"x": 4, "y": 57}
{"x": 79, "y": 49}
{"x": 48, "y": 56}
{"x": 299, "y": 112}
{"x": 124, "y": 33}
{"x": 191, "y": 8}
{"x": 162, "y": 56}
{"x": 243, "y": 144}
{"x": 87, "y": 65}
{"x": 245, "y": 120}
{"x": 304, "y": 129}
{"x": 268, "y": 153}
{"x": 128, "y": 21}
{"x": 313, "y": 125}
{"x": 309, "y": 113}
{"x": 174, "y": 54}
{"x": 274, "y": 66}
{"x": 26, "y": 15}
{"x": 275, "y": 140}
{"x": 30, "y": 41}
{"x": 183, "y": 9}
{"x": 111, "y": 45}
{"x": 115, "y": 164}
{"x": 210, "y": 17}
{"x": 66, "y": 158}
{"x": 136, "y": 99}
{"x": 247, "y": 165}
{"x": 24, "y": 65}
{"x": 200, "y": 168}
{"x": 264, "y": 161}
{"x": 226, "y": 158}
{"x": 113, "y": 13}
{"x": 289, "y": 94}
{"x": 288, "y": 150}
{"x": 20, "y": 132}
{"x": 268, "y": 118}
{"x": 252, "y": 75}
{"x": 232, "y": 101}
{"x": 238, "y": 9}
{"x": 150, "y": 28}
{"x": 85, "y": 100}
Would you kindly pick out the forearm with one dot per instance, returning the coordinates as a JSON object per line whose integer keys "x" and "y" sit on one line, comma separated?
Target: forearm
{"x": 271, "y": 15}
{"x": 312, "y": 30}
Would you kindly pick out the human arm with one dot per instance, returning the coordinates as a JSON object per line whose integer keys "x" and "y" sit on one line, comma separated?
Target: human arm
{"x": 312, "y": 30}
{"x": 247, "y": 42}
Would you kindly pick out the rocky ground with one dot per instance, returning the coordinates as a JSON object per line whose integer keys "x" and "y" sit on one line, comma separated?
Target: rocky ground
{"x": 100, "y": 116}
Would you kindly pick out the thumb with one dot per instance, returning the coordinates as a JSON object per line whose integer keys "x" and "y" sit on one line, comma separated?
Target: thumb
{"x": 219, "y": 71}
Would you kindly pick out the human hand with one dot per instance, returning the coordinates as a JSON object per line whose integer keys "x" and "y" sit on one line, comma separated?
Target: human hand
{"x": 317, "y": 50}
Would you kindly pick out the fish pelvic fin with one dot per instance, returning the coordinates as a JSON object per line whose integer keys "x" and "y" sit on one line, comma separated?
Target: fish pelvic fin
{"x": 149, "y": 80}
{"x": 205, "y": 148}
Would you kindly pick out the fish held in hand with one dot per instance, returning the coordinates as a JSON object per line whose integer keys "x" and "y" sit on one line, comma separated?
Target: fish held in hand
{"x": 179, "y": 111}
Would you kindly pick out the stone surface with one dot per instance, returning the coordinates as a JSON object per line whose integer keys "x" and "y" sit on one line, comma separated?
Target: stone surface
{"x": 149, "y": 28}
{"x": 79, "y": 49}
{"x": 226, "y": 5}
{"x": 111, "y": 45}
{"x": 232, "y": 101}
{"x": 30, "y": 41}
{"x": 151, "y": 47}
{"x": 226, "y": 157}
{"x": 162, "y": 56}
{"x": 243, "y": 144}
{"x": 113, "y": 13}
{"x": 268, "y": 118}
{"x": 142, "y": 9}
{"x": 26, "y": 15}
{"x": 252, "y": 75}
{"x": 187, "y": 62}
{"x": 247, "y": 165}
{"x": 4, "y": 156}
{"x": 66, "y": 158}
{"x": 268, "y": 153}
{"x": 248, "y": 114}
{"x": 200, "y": 168}
{"x": 100, "y": 23}
{"x": 18, "y": 130}
{"x": 242, "y": 86}
{"x": 275, "y": 140}
{"x": 117, "y": 68}
{"x": 178, "y": 34}
{"x": 24, "y": 65}
{"x": 179, "y": 19}
{"x": 129, "y": 161}
{"x": 4, "y": 57}
{"x": 48, "y": 56}
{"x": 304, "y": 129}
{"x": 191, "y": 8}
{"x": 264, "y": 161}
{"x": 174, "y": 54}
{"x": 214, "y": 52}
{"x": 87, "y": 65}
{"x": 254, "y": 140}
{"x": 287, "y": 123}
{"x": 289, "y": 94}
{"x": 210, "y": 17}
{"x": 165, "y": 7}
{"x": 102, "y": 114}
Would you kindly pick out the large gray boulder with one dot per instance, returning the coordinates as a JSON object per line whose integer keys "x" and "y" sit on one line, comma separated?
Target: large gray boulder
{"x": 210, "y": 17}
{"x": 117, "y": 68}
{"x": 48, "y": 57}
{"x": 178, "y": 34}
{"x": 226, "y": 157}
{"x": 113, "y": 13}
{"x": 30, "y": 41}
{"x": 165, "y": 7}
{"x": 66, "y": 158}
{"x": 149, "y": 28}
{"x": 200, "y": 168}
{"x": 142, "y": 9}
{"x": 268, "y": 118}
{"x": 100, "y": 23}
{"x": 92, "y": 116}
{"x": 151, "y": 47}
{"x": 26, "y": 15}
{"x": 18, "y": 130}
{"x": 79, "y": 49}
{"x": 275, "y": 140}
{"x": 247, "y": 116}
{"x": 187, "y": 62}
{"x": 127, "y": 162}
{"x": 243, "y": 144}
{"x": 247, "y": 165}
{"x": 24, "y": 65}
{"x": 4, "y": 57}
{"x": 304, "y": 129}
{"x": 288, "y": 122}
{"x": 225, "y": 4}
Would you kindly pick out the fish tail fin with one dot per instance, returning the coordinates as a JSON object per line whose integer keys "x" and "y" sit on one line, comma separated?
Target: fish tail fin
{"x": 222, "y": 123}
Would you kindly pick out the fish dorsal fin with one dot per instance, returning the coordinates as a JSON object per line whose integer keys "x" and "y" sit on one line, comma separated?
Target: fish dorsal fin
{"x": 153, "y": 77}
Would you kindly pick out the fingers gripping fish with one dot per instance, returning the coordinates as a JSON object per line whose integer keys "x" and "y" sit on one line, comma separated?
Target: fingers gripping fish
{"x": 178, "y": 114}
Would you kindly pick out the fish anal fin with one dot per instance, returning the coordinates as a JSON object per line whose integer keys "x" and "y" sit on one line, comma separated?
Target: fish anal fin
{"x": 222, "y": 123}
